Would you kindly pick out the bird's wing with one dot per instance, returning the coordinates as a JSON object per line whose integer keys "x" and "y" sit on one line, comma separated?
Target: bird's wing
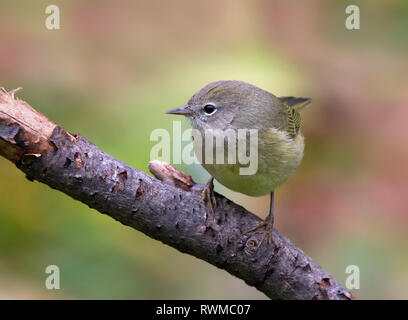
{"x": 294, "y": 105}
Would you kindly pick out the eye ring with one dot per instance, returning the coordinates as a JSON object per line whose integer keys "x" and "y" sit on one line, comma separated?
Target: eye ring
{"x": 209, "y": 109}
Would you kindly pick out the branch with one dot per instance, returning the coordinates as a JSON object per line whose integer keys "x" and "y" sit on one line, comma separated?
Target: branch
{"x": 170, "y": 210}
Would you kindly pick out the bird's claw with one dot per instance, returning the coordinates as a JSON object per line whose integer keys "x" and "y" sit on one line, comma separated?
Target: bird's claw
{"x": 266, "y": 229}
{"x": 208, "y": 196}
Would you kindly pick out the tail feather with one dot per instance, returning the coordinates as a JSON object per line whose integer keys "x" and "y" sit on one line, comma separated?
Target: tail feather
{"x": 296, "y": 103}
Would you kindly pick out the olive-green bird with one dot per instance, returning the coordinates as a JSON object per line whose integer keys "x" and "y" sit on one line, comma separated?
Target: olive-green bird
{"x": 237, "y": 105}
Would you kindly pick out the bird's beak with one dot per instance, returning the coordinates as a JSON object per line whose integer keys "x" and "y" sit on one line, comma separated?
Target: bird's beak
{"x": 184, "y": 111}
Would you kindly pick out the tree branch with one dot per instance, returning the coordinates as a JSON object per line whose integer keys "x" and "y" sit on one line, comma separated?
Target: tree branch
{"x": 170, "y": 210}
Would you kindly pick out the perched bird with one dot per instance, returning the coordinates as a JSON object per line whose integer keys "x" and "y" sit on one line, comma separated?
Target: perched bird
{"x": 235, "y": 105}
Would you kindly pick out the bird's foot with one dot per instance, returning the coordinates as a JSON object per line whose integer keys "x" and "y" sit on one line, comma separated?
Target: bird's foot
{"x": 266, "y": 228}
{"x": 207, "y": 195}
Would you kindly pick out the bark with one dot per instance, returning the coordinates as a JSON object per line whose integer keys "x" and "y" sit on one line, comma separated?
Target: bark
{"x": 170, "y": 209}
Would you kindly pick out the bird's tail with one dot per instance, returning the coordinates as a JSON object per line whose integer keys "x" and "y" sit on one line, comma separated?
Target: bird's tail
{"x": 296, "y": 103}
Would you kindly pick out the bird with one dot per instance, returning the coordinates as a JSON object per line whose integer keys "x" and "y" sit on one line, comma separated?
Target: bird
{"x": 236, "y": 105}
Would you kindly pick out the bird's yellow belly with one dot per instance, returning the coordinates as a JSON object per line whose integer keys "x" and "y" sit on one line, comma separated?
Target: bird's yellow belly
{"x": 278, "y": 158}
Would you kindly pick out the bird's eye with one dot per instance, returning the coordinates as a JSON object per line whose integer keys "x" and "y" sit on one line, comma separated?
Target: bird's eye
{"x": 210, "y": 109}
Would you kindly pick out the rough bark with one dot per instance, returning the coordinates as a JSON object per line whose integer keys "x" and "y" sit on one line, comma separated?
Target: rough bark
{"x": 170, "y": 210}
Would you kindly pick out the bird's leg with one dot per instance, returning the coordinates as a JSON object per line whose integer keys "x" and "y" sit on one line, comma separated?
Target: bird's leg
{"x": 208, "y": 195}
{"x": 267, "y": 224}
{"x": 270, "y": 218}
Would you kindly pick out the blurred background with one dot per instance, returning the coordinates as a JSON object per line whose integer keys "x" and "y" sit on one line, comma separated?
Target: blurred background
{"x": 115, "y": 67}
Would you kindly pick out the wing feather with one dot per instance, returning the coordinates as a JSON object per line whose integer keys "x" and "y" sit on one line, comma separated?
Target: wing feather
{"x": 294, "y": 105}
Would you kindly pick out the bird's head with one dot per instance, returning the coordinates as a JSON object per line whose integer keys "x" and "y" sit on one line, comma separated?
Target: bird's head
{"x": 217, "y": 105}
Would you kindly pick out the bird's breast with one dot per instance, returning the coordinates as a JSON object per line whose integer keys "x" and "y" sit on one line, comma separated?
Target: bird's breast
{"x": 272, "y": 161}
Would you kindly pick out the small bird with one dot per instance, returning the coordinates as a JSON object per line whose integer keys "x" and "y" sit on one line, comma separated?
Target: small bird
{"x": 238, "y": 105}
